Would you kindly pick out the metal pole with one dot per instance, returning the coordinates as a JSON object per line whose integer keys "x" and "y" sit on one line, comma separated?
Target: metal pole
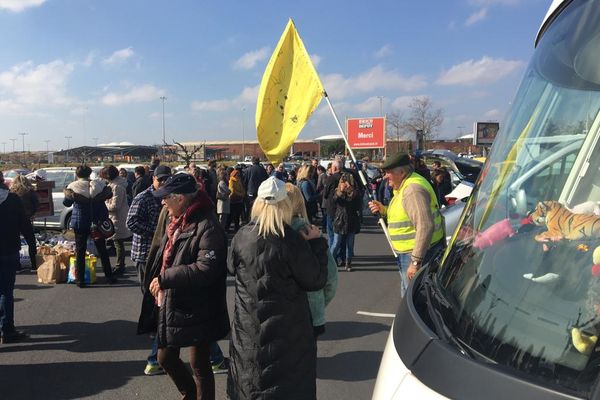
{"x": 68, "y": 145}
{"x": 243, "y": 139}
{"x": 380, "y": 105}
{"x": 13, "y": 142}
{"x": 163, "y": 98}
{"x": 360, "y": 173}
{"x": 23, "y": 137}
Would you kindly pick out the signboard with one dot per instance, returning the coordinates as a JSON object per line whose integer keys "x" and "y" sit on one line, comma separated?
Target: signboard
{"x": 366, "y": 133}
{"x": 485, "y": 133}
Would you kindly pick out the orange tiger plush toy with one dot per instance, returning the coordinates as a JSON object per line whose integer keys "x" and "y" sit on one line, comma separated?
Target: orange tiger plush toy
{"x": 563, "y": 224}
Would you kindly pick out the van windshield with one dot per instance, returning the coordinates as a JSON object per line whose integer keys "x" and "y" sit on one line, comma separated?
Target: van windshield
{"x": 522, "y": 271}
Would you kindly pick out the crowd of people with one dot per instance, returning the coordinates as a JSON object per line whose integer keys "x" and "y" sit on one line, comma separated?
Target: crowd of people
{"x": 285, "y": 270}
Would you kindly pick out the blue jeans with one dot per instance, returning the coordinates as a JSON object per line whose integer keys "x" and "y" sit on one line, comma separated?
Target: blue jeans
{"x": 329, "y": 230}
{"x": 8, "y": 272}
{"x": 153, "y": 356}
{"x": 404, "y": 261}
{"x": 343, "y": 247}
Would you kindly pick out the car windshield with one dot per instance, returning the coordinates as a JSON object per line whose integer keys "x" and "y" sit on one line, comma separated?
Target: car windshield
{"x": 522, "y": 271}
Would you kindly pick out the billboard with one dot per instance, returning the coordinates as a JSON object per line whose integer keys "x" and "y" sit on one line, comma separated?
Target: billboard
{"x": 366, "y": 133}
{"x": 484, "y": 133}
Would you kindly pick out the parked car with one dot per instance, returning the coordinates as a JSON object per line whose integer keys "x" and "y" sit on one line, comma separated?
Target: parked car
{"x": 61, "y": 176}
{"x": 12, "y": 173}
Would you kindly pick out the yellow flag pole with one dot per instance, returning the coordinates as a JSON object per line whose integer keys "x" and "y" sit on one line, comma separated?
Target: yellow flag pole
{"x": 360, "y": 173}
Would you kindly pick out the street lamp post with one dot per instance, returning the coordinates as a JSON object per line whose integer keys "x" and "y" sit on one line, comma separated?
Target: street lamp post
{"x": 13, "y": 142}
{"x": 380, "y": 105}
{"x": 243, "y": 139}
{"x": 23, "y": 134}
{"x": 163, "y": 98}
{"x": 68, "y": 145}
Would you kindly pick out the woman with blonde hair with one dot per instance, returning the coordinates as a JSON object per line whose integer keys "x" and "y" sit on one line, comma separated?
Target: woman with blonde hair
{"x": 273, "y": 351}
{"x": 23, "y": 188}
{"x": 346, "y": 220}
{"x": 306, "y": 184}
{"x": 319, "y": 299}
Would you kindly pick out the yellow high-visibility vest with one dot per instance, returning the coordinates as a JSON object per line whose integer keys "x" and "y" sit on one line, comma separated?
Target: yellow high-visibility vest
{"x": 401, "y": 228}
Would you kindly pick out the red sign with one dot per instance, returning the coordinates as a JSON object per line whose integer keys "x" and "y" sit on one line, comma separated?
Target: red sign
{"x": 366, "y": 133}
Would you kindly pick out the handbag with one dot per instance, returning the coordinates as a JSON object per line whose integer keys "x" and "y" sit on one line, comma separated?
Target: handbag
{"x": 103, "y": 229}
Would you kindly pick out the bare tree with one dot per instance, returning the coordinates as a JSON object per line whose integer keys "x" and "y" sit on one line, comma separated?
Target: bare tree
{"x": 424, "y": 117}
{"x": 186, "y": 153}
{"x": 395, "y": 125}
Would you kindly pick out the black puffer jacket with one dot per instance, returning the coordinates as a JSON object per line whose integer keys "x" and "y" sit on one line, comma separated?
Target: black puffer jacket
{"x": 273, "y": 350}
{"x": 195, "y": 308}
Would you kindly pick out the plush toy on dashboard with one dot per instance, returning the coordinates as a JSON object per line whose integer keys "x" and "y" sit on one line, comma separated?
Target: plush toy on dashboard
{"x": 583, "y": 224}
{"x": 564, "y": 224}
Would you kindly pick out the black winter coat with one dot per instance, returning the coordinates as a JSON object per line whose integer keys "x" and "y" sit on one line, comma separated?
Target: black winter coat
{"x": 347, "y": 213}
{"x": 253, "y": 177}
{"x": 195, "y": 308}
{"x": 273, "y": 351}
{"x": 14, "y": 222}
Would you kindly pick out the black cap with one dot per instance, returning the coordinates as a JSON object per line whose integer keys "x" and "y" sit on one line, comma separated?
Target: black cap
{"x": 397, "y": 160}
{"x": 162, "y": 171}
{"x": 179, "y": 184}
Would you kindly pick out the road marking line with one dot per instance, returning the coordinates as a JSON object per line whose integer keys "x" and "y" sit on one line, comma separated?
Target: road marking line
{"x": 374, "y": 314}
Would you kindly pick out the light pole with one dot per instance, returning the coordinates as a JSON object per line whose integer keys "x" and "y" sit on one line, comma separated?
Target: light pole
{"x": 23, "y": 134}
{"x": 68, "y": 145}
{"x": 380, "y": 105}
{"x": 47, "y": 151}
{"x": 163, "y": 98}
{"x": 13, "y": 141}
{"x": 243, "y": 139}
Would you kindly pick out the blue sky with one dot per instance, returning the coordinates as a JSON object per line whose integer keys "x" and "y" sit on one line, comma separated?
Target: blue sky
{"x": 97, "y": 68}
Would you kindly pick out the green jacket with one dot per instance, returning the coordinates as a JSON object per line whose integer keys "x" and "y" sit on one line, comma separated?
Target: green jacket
{"x": 319, "y": 299}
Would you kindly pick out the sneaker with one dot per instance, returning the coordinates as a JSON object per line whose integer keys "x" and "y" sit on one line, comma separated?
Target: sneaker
{"x": 153, "y": 369}
{"x": 348, "y": 267}
{"x": 221, "y": 368}
{"x": 13, "y": 337}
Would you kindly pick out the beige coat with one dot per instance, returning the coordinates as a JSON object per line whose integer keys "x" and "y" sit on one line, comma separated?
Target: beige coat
{"x": 118, "y": 208}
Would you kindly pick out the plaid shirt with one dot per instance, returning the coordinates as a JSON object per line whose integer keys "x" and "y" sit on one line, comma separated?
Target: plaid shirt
{"x": 141, "y": 220}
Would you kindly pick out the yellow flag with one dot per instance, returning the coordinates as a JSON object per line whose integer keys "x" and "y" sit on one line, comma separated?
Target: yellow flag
{"x": 289, "y": 93}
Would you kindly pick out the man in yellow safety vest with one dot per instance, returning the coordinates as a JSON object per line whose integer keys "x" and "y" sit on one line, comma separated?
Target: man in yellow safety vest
{"x": 415, "y": 224}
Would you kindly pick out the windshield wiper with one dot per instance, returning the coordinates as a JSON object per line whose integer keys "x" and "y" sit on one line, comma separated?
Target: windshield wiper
{"x": 440, "y": 327}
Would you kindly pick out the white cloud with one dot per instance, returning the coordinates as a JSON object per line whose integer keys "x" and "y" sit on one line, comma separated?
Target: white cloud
{"x": 402, "y": 102}
{"x": 26, "y": 86}
{"x": 481, "y": 72}
{"x": 384, "y": 51}
{"x": 316, "y": 59}
{"x": 119, "y": 56}
{"x": 139, "y": 94}
{"x": 476, "y": 17}
{"x": 157, "y": 115}
{"x": 377, "y": 78}
{"x": 251, "y": 58}
{"x": 493, "y": 114}
{"x": 371, "y": 105}
{"x": 89, "y": 59}
{"x": 245, "y": 99}
{"x": 19, "y": 5}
